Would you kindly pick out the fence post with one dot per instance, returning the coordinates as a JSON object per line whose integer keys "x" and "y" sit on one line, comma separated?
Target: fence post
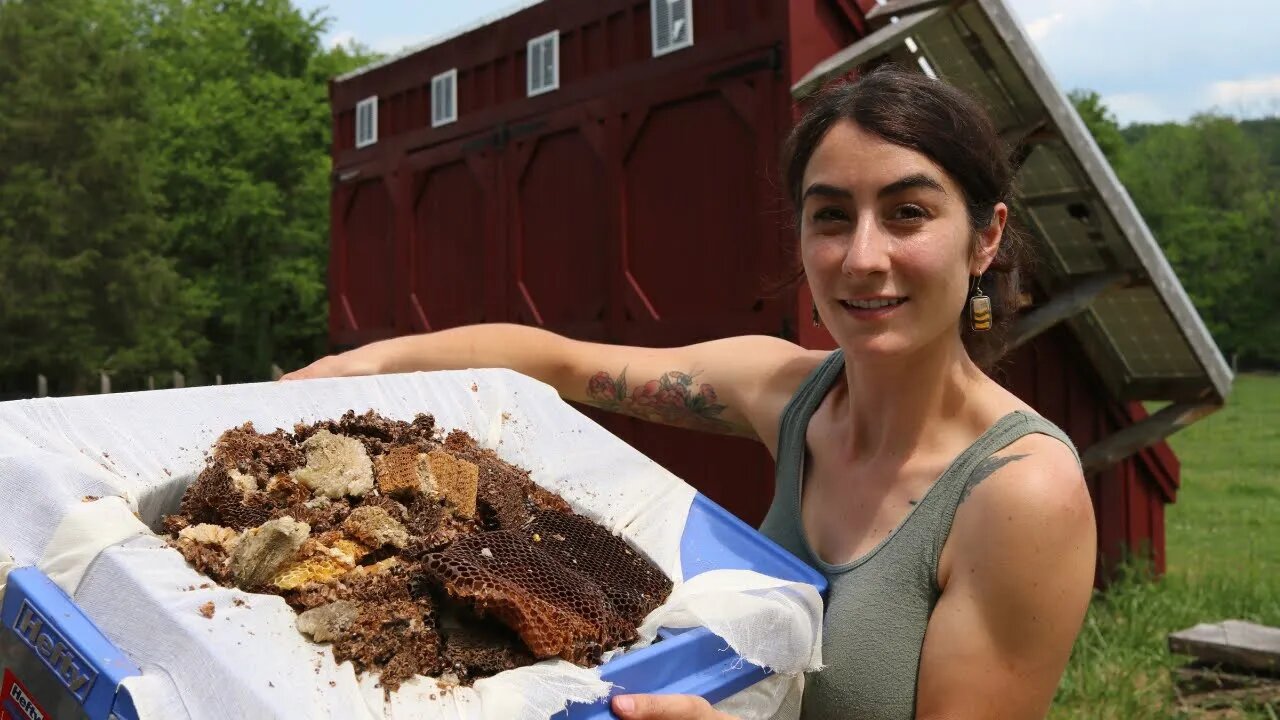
{"x": 104, "y": 382}
{"x": 217, "y": 379}
{"x": 179, "y": 380}
{"x": 151, "y": 382}
{"x": 42, "y": 386}
{"x": 276, "y": 371}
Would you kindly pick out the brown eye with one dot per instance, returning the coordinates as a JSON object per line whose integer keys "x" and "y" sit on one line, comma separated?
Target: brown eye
{"x": 830, "y": 214}
{"x": 910, "y": 212}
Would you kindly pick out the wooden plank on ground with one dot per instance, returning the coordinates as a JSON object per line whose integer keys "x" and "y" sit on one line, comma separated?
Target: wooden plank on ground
{"x": 1233, "y": 643}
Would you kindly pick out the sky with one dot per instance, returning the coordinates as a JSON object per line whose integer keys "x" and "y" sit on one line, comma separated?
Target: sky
{"x": 1150, "y": 60}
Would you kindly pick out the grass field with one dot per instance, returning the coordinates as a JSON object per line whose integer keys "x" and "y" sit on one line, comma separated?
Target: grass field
{"x": 1223, "y": 544}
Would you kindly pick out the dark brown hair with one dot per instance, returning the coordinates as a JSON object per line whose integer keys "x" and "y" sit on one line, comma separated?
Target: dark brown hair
{"x": 950, "y": 128}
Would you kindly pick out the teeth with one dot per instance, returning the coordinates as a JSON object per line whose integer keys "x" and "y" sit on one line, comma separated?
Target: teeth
{"x": 872, "y": 304}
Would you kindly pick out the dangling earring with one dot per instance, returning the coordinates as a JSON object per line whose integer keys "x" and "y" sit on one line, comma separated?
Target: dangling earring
{"x": 979, "y": 308}
{"x": 817, "y": 321}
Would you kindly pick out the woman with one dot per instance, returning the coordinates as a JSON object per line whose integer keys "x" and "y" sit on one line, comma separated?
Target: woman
{"x": 952, "y": 521}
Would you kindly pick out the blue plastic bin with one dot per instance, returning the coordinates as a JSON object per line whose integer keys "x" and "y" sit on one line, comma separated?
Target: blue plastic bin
{"x": 48, "y": 647}
{"x": 56, "y": 663}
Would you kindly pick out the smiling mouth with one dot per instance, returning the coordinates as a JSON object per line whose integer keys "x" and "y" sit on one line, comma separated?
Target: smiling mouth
{"x": 872, "y": 304}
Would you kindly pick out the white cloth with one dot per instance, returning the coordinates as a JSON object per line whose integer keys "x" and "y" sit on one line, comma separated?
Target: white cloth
{"x": 140, "y": 451}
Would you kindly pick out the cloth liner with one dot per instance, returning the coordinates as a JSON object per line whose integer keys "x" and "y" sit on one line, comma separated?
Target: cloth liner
{"x": 139, "y": 451}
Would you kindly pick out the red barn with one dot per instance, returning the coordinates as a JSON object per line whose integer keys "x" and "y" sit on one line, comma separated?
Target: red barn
{"x": 584, "y": 165}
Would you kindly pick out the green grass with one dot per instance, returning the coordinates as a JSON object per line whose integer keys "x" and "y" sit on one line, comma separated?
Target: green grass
{"x": 1223, "y": 557}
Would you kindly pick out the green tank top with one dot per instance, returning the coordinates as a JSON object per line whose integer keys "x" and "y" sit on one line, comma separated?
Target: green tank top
{"x": 879, "y": 604}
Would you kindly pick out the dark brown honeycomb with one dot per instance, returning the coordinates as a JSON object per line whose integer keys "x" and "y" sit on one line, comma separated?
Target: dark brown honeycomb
{"x": 458, "y": 562}
{"x": 214, "y": 498}
{"x": 256, "y": 454}
{"x": 475, "y": 647}
{"x": 634, "y": 586}
{"x": 377, "y": 433}
{"x": 556, "y": 610}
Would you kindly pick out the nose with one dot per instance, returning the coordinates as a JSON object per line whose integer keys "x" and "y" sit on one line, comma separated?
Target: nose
{"x": 868, "y": 251}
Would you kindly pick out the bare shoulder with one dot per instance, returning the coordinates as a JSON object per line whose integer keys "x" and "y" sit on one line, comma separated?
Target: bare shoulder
{"x": 1026, "y": 507}
{"x": 1036, "y": 477}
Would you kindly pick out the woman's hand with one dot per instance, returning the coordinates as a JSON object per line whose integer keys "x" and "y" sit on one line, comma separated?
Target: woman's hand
{"x": 665, "y": 707}
{"x": 343, "y": 365}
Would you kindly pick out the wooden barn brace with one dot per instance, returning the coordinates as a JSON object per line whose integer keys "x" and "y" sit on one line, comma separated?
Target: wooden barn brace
{"x": 583, "y": 165}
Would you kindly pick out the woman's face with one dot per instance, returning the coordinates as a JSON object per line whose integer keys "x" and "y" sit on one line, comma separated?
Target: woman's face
{"x": 886, "y": 244}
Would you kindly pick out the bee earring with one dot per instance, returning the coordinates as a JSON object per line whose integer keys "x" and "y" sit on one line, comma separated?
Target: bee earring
{"x": 979, "y": 308}
{"x": 817, "y": 320}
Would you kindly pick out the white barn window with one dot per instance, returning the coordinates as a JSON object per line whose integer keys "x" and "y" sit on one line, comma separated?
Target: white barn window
{"x": 367, "y": 122}
{"x": 543, "y": 58}
{"x": 672, "y": 22}
{"x": 444, "y": 98}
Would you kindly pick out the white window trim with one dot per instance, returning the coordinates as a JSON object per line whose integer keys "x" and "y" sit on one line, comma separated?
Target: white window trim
{"x": 554, "y": 37}
{"x": 653, "y": 29}
{"x": 452, "y": 77}
{"x": 370, "y": 102}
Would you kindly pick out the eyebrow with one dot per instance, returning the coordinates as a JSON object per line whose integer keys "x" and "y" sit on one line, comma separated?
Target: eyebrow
{"x": 824, "y": 190}
{"x": 918, "y": 181}
{"x": 910, "y": 182}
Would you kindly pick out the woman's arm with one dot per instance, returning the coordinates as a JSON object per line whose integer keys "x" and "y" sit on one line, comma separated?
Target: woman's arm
{"x": 734, "y": 386}
{"x": 1019, "y": 578}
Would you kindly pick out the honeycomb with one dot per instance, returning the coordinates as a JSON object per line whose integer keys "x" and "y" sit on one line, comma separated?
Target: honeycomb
{"x": 455, "y": 480}
{"x": 556, "y": 610}
{"x": 254, "y": 454}
{"x": 214, "y": 498}
{"x": 410, "y": 552}
{"x": 479, "y": 647}
{"x": 505, "y": 495}
{"x": 374, "y": 526}
{"x": 397, "y": 473}
{"x": 634, "y": 586}
{"x": 336, "y": 466}
{"x": 317, "y": 562}
{"x": 263, "y": 550}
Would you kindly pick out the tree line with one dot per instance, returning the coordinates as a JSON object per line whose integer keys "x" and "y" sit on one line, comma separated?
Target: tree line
{"x": 164, "y": 182}
{"x": 165, "y": 174}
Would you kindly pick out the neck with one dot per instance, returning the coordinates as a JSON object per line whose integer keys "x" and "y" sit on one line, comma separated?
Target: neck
{"x": 897, "y": 404}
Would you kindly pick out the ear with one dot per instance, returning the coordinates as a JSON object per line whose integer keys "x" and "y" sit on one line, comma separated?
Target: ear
{"x": 989, "y": 240}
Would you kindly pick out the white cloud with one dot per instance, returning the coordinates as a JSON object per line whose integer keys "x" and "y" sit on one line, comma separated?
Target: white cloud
{"x": 1143, "y": 107}
{"x": 1039, "y": 29}
{"x": 340, "y": 38}
{"x": 1245, "y": 92}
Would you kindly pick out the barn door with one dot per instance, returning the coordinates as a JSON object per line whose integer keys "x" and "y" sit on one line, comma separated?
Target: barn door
{"x": 560, "y": 231}
{"x": 455, "y": 260}
{"x": 700, "y": 227}
{"x": 701, "y": 239}
{"x": 362, "y": 283}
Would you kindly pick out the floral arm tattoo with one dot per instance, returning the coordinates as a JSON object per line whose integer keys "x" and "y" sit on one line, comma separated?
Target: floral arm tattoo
{"x": 672, "y": 399}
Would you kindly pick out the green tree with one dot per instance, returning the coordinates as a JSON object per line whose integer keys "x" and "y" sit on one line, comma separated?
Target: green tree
{"x": 243, "y": 132}
{"x": 1101, "y": 122}
{"x": 85, "y": 284}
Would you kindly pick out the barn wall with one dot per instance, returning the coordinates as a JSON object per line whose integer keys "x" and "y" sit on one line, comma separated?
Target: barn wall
{"x": 637, "y": 204}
